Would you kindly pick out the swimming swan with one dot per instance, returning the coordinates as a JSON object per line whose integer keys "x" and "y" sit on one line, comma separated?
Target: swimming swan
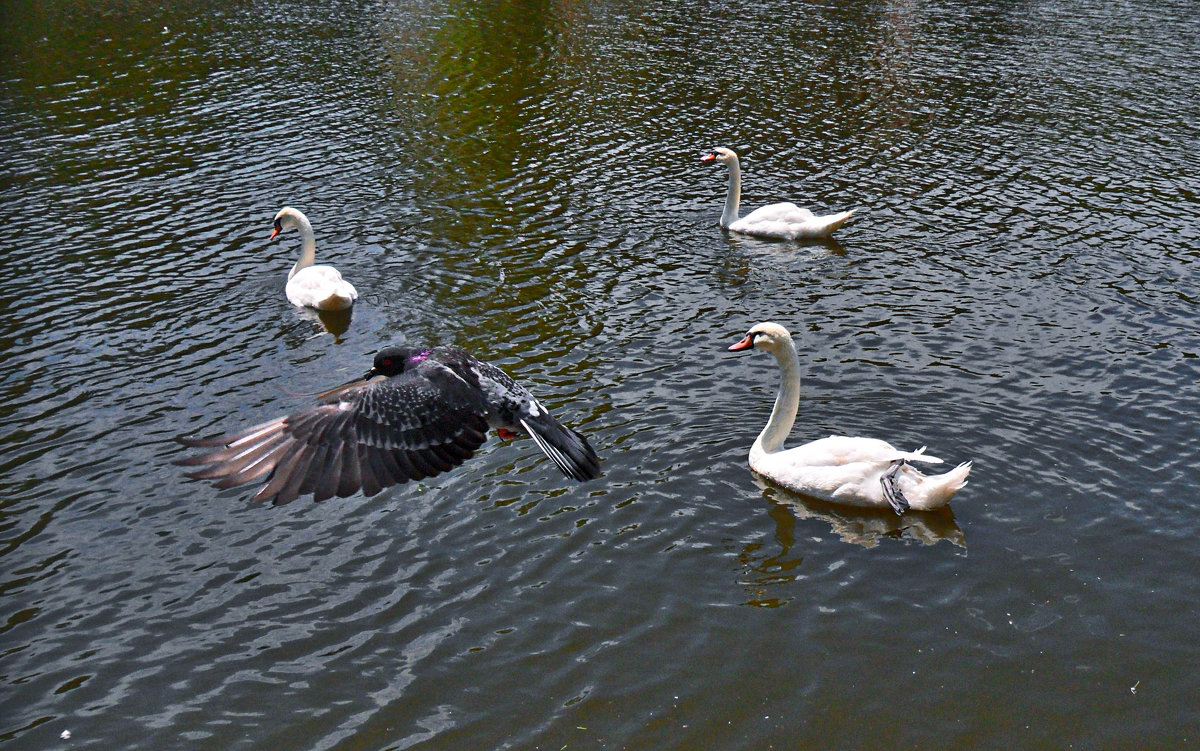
{"x": 320, "y": 287}
{"x": 839, "y": 469}
{"x": 782, "y": 221}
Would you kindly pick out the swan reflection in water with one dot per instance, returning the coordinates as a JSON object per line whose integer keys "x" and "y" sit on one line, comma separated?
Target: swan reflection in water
{"x": 865, "y": 526}
{"x": 814, "y": 249}
{"x": 336, "y": 322}
{"x": 312, "y": 324}
{"x": 764, "y": 568}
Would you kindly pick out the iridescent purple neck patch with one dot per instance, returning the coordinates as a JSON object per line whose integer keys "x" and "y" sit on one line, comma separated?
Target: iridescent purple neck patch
{"x": 420, "y": 356}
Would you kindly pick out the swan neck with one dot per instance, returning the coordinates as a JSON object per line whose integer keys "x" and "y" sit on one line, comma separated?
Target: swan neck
{"x": 734, "y": 197}
{"x": 308, "y": 245}
{"x": 783, "y": 416}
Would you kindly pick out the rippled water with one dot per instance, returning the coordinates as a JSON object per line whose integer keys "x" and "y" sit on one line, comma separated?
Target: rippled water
{"x": 522, "y": 179}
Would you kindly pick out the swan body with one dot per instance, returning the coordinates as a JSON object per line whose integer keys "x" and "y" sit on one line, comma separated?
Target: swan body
{"x": 840, "y": 469}
{"x": 781, "y": 221}
{"x": 312, "y": 286}
{"x": 418, "y": 412}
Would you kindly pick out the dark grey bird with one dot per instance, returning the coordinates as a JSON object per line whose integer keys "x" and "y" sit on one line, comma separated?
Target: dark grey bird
{"x": 418, "y": 412}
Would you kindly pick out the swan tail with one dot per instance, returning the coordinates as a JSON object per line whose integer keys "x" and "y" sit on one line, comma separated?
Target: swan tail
{"x": 918, "y": 456}
{"x": 937, "y": 490}
{"x": 336, "y": 301}
{"x": 817, "y": 228}
{"x": 567, "y": 448}
{"x": 837, "y": 220}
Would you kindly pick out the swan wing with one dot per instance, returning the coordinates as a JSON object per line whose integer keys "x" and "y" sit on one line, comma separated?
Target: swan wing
{"x": 779, "y": 212}
{"x": 320, "y": 287}
{"x": 790, "y": 222}
{"x": 859, "y": 483}
{"x": 839, "y": 449}
{"x": 853, "y": 484}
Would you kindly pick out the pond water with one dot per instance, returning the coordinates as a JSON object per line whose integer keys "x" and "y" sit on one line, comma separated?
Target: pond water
{"x": 1017, "y": 288}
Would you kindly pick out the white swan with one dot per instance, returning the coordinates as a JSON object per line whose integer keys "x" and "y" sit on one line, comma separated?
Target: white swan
{"x": 320, "y": 287}
{"x": 839, "y": 469}
{"x": 782, "y": 221}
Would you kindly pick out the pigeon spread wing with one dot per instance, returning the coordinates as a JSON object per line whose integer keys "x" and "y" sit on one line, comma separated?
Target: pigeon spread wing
{"x": 416, "y": 425}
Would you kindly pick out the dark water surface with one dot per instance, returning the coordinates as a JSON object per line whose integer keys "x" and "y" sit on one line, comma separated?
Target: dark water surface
{"x": 1019, "y": 288}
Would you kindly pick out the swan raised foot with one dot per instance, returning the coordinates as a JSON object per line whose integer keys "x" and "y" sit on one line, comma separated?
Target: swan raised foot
{"x": 891, "y": 489}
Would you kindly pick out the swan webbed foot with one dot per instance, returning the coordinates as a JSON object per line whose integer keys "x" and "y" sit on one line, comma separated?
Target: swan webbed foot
{"x": 891, "y": 490}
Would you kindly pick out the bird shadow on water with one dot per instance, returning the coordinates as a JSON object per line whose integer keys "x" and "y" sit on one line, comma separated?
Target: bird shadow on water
{"x": 866, "y": 526}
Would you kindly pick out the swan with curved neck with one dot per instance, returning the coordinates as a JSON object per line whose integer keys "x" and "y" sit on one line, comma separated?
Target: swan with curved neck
{"x": 840, "y": 469}
{"x": 781, "y": 221}
{"x": 312, "y": 286}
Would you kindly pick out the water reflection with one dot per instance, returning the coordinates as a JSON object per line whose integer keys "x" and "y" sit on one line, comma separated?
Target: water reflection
{"x": 469, "y": 94}
{"x": 336, "y": 322}
{"x": 861, "y": 526}
{"x": 812, "y": 247}
{"x": 764, "y": 573}
{"x": 767, "y": 571}
{"x": 891, "y": 63}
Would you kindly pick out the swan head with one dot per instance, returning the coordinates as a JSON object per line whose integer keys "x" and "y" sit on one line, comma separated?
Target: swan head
{"x": 720, "y": 155}
{"x": 287, "y": 217}
{"x": 768, "y": 336}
